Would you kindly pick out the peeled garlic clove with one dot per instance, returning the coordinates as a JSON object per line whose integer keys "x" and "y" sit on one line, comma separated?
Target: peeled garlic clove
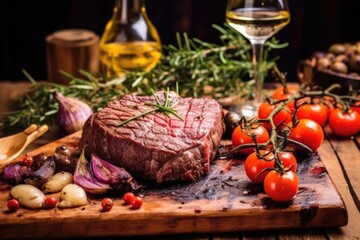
{"x": 28, "y": 196}
{"x": 72, "y": 195}
{"x": 72, "y": 113}
{"x": 57, "y": 182}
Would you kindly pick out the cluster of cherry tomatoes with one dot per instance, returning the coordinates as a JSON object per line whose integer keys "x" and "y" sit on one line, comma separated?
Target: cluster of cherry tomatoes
{"x": 344, "y": 121}
{"x": 129, "y": 198}
{"x": 296, "y": 121}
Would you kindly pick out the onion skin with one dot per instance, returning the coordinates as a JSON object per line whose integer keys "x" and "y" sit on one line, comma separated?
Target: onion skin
{"x": 15, "y": 173}
{"x": 42, "y": 174}
{"x": 85, "y": 179}
{"x": 117, "y": 177}
{"x": 72, "y": 113}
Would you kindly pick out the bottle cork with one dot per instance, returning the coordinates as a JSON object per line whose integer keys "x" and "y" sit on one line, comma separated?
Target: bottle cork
{"x": 70, "y": 50}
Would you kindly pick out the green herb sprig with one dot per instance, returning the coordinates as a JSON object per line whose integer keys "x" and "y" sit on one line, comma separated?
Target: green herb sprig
{"x": 201, "y": 69}
{"x": 167, "y": 108}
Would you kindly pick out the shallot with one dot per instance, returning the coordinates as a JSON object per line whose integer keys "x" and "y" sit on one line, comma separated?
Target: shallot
{"x": 72, "y": 113}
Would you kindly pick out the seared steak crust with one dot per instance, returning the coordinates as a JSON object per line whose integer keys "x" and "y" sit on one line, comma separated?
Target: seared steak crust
{"x": 157, "y": 147}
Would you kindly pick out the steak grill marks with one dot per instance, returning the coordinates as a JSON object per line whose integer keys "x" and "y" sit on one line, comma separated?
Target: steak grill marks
{"x": 155, "y": 147}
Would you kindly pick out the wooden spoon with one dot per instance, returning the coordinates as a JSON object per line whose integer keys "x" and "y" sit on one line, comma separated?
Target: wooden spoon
{"x": 12, "y": 146}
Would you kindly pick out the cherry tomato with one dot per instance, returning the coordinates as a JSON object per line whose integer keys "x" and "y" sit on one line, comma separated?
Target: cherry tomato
{"x": 281, "y": 187}
{"x": 242, "y": 135}
{"x": 255, "y": 166}
{"x": 136, "y": 202}
{"x": 50, "y": 202}
{"x": 317, "y": 112}
{"x": 128, "y": 197}
{"x": 28, "y": 160}
{"x": 281, "y": 94}
{"x": 307, "y": 132}
{"x": 13, "y": 205}
{"x": 344, "y": 124}
{"x": 107, "y": 204}
{"x": 283, "y": 116}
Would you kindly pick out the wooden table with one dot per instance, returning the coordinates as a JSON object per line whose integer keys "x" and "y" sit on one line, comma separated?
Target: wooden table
{"x": 340, "y": 156}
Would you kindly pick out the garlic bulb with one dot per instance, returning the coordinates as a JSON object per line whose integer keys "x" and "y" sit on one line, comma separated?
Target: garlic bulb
{"x": 72, "y": 113}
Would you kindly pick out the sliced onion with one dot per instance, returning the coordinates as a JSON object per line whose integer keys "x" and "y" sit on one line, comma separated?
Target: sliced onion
{"x": 116, "y": 176}
{"x": 85, "y": 179}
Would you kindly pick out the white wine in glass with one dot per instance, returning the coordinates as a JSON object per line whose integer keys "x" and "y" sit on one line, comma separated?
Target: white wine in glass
{"x": 257, "y": 20}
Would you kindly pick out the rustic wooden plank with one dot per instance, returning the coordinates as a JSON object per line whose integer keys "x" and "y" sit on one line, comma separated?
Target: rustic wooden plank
{"x": 349, "y": 158}
{"x": 177, "y": 237}
{"x": 225, "y": 236}
{"x": 356, "y": 140}
{"x": 231, "y": 211}
{"x": 314, "y": 234}
{"x": 334, "y": 167}
{"x": 259, "y": 235}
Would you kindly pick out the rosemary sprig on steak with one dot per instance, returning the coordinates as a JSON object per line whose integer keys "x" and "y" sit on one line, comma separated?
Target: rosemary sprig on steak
{"x": 166, "y": 107}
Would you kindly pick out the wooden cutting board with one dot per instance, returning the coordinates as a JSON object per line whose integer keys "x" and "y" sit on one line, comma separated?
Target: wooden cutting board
{"x": 224, "y": 201}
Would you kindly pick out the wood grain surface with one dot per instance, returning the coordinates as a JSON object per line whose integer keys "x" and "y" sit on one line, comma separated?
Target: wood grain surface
{"x": 341, "y": 157}
{"x": 224, "y": 201}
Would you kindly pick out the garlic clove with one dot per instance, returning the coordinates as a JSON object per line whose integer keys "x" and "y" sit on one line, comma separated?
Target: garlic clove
{"x": 72, "y": 113}
{"x": 72, "y": 195}
{"x": 57, "y": 182}
{"x": 28, "y": 196}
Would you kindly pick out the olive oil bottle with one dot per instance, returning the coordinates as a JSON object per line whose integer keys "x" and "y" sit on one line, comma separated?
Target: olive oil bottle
{"x": 130, "y": 41}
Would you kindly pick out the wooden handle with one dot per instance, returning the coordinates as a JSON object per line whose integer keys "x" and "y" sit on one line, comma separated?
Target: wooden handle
{"x": 30, "y": 129}
{"x": 43, "y": 129}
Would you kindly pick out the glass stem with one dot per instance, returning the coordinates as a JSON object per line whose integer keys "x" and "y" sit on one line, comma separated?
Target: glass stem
{"x": 257, "y": 48}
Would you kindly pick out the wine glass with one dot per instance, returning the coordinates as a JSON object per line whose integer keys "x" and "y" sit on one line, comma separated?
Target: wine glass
{"x": 257, "y": 20}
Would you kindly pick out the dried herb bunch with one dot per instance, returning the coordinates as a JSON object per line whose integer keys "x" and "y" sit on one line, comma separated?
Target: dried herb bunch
{"x": 200, "y": 68}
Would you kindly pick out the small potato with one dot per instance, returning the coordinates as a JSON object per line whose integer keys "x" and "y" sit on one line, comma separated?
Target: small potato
{"x": 72, "y": 195}
{"x": 57, "y": 182}
{"x": 28, "y": 196}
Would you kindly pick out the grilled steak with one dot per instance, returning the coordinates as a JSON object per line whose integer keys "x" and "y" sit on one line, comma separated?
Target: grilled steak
{"x": 156, "y": 147}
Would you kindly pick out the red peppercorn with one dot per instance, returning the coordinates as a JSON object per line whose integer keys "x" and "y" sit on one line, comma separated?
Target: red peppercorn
{"x": 50, "y": 202}
{"x": 136, "y": 202}
{"x": 28, "y": 160}
{"x": 107, "y": 204}
{"x": 13, "y": 205}
{"x": 128, "y": 197}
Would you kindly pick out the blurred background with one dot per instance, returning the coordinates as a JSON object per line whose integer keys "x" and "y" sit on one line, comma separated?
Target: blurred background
{"x": 314, "y": 26}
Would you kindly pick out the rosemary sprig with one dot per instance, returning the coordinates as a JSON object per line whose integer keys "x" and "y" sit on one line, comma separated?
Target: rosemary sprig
{"x": 167, "y": 108}
{"x": 200, "y": 68}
